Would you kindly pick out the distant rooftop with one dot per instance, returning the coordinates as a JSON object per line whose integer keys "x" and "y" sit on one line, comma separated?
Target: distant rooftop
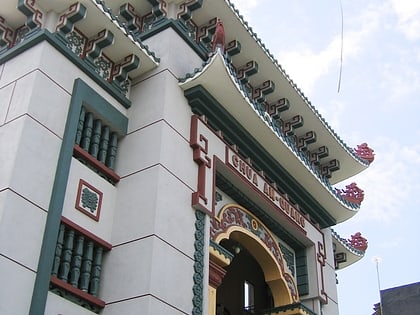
{"x": 403, "y": 300}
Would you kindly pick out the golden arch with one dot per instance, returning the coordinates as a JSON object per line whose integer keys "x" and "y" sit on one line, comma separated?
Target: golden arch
{"x": 237, "y": 223}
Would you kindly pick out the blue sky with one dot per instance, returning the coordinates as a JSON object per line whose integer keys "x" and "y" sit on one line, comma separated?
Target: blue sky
{"x": 378, "y": 103}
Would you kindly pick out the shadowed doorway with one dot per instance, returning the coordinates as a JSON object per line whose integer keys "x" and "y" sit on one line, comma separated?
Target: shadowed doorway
{"x": 243, "y": 290}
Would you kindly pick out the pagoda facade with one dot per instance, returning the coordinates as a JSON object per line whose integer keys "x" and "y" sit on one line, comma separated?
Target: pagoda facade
{"x": 157, "y": 159}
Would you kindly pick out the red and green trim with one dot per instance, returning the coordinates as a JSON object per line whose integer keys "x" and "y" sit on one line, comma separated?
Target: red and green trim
{"x": 82, "y": 95}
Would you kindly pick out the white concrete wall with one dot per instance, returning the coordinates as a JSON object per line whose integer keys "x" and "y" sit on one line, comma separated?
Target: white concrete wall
{"x": 174, "y": 53}
{"x": 32, "y": 114}
{"x": 56, "y": 305}
{"x": 154, "y": 223}
{"x": 103, "y": 227}
{"x": 147, "y": 216}
{"x": 330, "y": 276}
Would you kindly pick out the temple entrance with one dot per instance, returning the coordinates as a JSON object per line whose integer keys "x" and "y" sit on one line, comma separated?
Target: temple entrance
{"x": 243, "y": 290}
{"x": 247, "y": 270}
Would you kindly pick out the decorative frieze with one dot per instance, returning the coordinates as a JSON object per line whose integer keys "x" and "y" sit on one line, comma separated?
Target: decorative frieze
{"x": 103, "y": 66}
{"x": 76, "y": 42}
{"x": 97, "y": 43}
{"x": 233, "y": 48}
{"x": 261, "y": 91}
{"x": 291, "y": 124}
{"x": 133, "y": 19}
{"x": 245, "y": 71}
{"x": 205, "y": 33}
{"x": 275, "y": 109}
{"x": 120, "y": 70}
{"x": 34, "y": 15}
{"x": 326, "y": 169}
{"x": 186, "y": 8}
{"x": 304, "y": 140}
{"x": 158, "y": 9}
{"x": 316, "y": 155}
{"x": 68, "y": 18}
{"x": 6, "y": 35}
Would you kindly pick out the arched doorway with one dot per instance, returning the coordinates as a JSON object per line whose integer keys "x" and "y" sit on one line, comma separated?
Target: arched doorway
{"x": 243, "y": 289}
{"x": 256, "y": 267}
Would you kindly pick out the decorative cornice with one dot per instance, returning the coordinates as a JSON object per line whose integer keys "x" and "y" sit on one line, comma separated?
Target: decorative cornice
{"x": 187, "y": 7}
{"x": 222, "y": 253}
{"x": 34, "y": 16}
{"x": 285, "y": 135}
{"x": 72, "y": 15}
{"x": 347, "y": 244}
{"x": 345, "y": 252}
{"x": 109, "y": 63}
{"x": 123, "y": 27}
{"x": 56, "y": 42}
{"x": 245, "y": 24}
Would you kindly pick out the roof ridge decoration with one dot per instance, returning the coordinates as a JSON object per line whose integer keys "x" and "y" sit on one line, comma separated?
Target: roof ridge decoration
{"x": 349, "y": 198}
{"x": 352, "y": 152}
{"x": 357, "y": 244}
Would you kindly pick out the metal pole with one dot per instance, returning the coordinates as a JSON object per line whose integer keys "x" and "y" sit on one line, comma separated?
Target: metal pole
{"x": 377, "y": 261}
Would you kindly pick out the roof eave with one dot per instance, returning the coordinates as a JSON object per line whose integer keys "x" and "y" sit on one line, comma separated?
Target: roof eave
{"x": 217, "y": 80}
{"x": 253, "y": 49}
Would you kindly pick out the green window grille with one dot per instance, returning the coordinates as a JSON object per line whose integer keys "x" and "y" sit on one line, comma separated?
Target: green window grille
{"x": 77, "y": 267}
{"x": 96, "y": 145}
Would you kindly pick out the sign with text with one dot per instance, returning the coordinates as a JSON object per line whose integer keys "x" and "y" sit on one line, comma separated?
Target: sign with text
{"x": 260, "y": 183}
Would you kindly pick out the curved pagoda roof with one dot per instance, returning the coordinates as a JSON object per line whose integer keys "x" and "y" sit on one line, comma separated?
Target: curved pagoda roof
{"x": 252, "y": 86}
{"x": 219, "y": 79}
{"x": 345, "y": 253}
{"x": 256, "y": 91}
{"x": 268, "y": 69}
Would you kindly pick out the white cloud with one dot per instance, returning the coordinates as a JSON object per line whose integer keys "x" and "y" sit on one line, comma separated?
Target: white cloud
{"x": 401, "y": 79}
{"x": 307, "y": 66}
{"x": 395, "y": 243}
{"x": 408, "y": 13}
{"x": 390, "y": 182}
{"x": 334, "y": 117}
{"x": 245, "y": 6}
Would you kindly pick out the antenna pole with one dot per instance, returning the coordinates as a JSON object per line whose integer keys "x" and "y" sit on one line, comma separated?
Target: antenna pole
{"x": 342, "y": 41}
{"x": 377, "y": 260}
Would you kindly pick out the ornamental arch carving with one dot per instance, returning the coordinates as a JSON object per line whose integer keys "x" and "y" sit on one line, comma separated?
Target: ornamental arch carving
{"x": 238, "y": 224}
